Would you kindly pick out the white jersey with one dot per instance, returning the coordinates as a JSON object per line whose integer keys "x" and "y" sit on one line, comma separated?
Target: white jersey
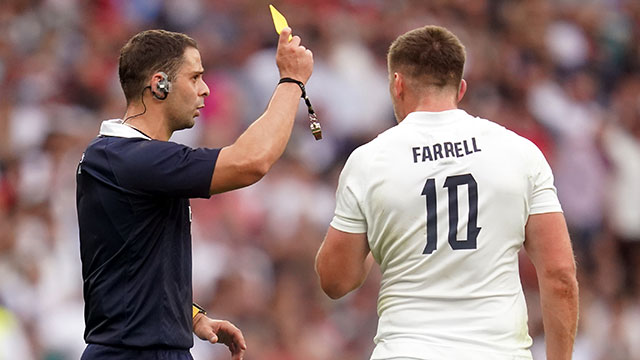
{"x": 444, "y": 199}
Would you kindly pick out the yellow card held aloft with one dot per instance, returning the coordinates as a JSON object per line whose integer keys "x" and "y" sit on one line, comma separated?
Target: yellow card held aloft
{"x": 278, "y": 20}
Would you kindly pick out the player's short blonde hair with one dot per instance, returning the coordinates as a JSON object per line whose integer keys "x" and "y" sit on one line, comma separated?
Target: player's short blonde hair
{"x": 430, "y": 56}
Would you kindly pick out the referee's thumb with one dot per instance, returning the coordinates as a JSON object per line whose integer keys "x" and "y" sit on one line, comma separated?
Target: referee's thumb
{"x": 213, "y": 338}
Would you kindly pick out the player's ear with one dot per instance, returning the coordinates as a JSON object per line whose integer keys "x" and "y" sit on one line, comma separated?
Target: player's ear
{"x": 462, "y": 90}
{"x": 398, "y": 86}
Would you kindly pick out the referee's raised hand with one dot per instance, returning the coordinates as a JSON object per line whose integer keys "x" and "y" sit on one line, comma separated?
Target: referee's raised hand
{"x": 220, "y": 331}
{"x": 293, "y": 60}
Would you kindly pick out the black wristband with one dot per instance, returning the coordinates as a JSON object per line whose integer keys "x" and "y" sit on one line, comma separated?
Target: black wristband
{"x": 298, "y": 82}
{"x": 314, "y": 124}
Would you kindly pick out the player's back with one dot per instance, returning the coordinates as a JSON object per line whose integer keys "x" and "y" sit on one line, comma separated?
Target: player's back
{"x": 446, "y": 197}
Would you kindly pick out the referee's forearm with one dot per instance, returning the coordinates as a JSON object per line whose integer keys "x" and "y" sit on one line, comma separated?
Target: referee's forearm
{"x": 266, "y": 139}
{"x": 270, "y": 133}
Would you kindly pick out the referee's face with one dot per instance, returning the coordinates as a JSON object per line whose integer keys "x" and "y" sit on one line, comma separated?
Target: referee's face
{"x": 188, "y": 91}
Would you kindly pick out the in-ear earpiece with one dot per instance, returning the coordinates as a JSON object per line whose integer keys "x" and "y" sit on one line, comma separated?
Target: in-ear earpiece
{"x": 163, "y": 87}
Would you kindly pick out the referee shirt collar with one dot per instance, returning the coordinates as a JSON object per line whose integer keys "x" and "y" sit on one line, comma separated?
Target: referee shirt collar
{"x": 115, "y": 127}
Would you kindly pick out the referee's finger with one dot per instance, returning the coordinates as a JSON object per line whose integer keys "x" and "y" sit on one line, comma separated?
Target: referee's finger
{"x": 236, "y": 337}
{"x": 239, "y": 340}
{"x": 213, "y": 338}
{"x": 284, "y": 35}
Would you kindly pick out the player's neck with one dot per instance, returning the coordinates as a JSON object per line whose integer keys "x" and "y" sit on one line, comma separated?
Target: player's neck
{"x": 430, "y": 100}
{"x": 429, "y": 104}
{"x": 434, "y": 102}
{"x": 152, "y": 123}
{"x": 435, "y": 108}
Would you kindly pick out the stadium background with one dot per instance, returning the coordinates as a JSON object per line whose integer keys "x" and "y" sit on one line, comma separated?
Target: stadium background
{"x": 565, "y": 74}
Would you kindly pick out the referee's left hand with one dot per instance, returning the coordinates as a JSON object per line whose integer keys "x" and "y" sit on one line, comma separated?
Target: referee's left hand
{"x": 222, "y": 331}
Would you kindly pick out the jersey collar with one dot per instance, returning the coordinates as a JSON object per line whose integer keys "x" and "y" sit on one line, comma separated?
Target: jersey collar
{"x": 115, "y": 127}
{"x": 433, "y": 118}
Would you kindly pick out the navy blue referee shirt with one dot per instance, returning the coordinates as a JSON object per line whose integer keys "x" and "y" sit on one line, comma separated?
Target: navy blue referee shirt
{"x": 135, "y": 237}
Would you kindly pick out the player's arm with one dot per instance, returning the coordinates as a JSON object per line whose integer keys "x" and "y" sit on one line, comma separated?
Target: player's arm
{"x": 548, "y": 245}
{"x": 249, "y": 158}
{"x": 343, "y": 262}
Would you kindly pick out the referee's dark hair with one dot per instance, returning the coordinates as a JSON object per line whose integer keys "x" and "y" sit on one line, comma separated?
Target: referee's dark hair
{"x": 430, "y": 56}
{"x": 148, "y": 52}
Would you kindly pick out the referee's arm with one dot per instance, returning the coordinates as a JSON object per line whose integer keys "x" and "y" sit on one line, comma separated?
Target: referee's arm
{"x": 219, "y": 331}
{"x": 249, "y": 158}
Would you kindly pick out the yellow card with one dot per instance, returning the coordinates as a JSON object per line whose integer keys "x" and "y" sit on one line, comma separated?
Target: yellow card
{"x": 278, "y": 20}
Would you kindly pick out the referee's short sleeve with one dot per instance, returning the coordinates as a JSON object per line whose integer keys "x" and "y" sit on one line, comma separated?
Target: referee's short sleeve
{"x": 163, "y": 168}
{"x": 349, "y": 216}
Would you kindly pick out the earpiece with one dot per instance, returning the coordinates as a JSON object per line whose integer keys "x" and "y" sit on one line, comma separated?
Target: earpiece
{"x": 163, "y": 87}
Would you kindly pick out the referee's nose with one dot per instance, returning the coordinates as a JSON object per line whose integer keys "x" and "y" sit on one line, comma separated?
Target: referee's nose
{"x": 204, "y": 89}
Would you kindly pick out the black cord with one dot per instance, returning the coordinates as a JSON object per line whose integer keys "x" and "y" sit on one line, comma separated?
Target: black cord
{"x": 143, "y": 104}
{"x": 314, "y": 124}
{"x": 304, "y": 91}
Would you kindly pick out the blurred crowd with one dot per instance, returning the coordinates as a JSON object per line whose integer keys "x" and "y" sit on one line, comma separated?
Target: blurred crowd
{"x": 564, "y": 73}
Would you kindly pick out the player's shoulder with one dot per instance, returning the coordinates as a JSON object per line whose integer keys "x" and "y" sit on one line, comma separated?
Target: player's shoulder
{"x": 359, "y": 156}
{"x": 363, "y": 156}
{"x": 369, "y": 149}
{"x": 501, "y": 135}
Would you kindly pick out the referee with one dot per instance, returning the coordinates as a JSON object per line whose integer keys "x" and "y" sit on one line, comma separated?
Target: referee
{"x": 133, "y": 191}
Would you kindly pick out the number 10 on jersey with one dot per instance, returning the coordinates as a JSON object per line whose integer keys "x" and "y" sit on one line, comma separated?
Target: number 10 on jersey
{"x": 452, "y": 183}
